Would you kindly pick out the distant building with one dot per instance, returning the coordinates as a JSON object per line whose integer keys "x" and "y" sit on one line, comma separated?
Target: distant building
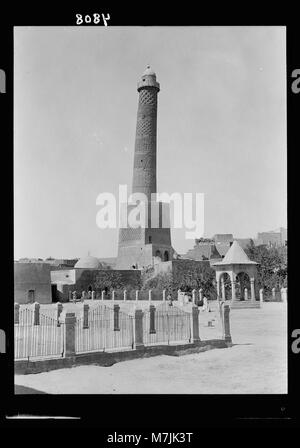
{"x": 109, "y": 262}
{"x": 30, "y": 260}
{"x": 59, "y": 262}
{"x": 223, "y": 241}
{"x": 32, "y": 282}
{"x": 244, "y": 242}
{"x": 84, "y": 275}
{"x": 62, "y": 262}
{"x": 273, "y": 238}
{"x": 204, "y": 249}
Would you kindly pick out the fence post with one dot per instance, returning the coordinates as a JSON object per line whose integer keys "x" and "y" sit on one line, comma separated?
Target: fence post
{"x": 83, "y": 296}
{"x": 86, "y": 308}
{"x": 70, "y": 321}
{"x": 246, "y": 294}
{"x": 137, "y": 294}
{"x": 150, "y": 295}
{"x": 195, "y": 324}
{"x": 93, "y": 295}
{"x": 36, "y": 318}
{"x": 152, "y": 319}
{"x": 273, "y": 294}
{"x": 69, "y": 296}
{"x": 261, "y": 296}
{"x": 226, "y": 323}
{"x": 102, "y": 295}
{"x": 116, "y": 317}
{"x": 125, "y": 295}
{"x": 59, "y": 308}
{"x": 164, "y": 295}
{"x": 200, "y": 294}
{"x": 194, "y": 297}
{"x": 17, "y": 313}
{"x": 178, "y": 294}
{"x": 138, "y": 329}
{"x": 283, "y": 294}
{"x": 113, "y": 295}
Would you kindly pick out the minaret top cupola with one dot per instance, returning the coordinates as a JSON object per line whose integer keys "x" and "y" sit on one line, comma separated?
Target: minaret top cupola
{"x": 148, "y": 80}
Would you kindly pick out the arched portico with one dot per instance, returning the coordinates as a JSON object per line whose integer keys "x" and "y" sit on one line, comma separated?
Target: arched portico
{"x": 225, "y": 286}
{"x": 236, "y": 264}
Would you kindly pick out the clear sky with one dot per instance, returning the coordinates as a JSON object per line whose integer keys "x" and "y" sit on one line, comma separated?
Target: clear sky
{"x": 221, "y": 128}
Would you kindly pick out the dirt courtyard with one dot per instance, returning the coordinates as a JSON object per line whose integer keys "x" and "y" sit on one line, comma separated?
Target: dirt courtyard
{"x": 255, "y": 364}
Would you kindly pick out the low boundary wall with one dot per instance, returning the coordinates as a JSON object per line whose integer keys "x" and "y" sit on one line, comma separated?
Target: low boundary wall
{"x": 106, "y": 359}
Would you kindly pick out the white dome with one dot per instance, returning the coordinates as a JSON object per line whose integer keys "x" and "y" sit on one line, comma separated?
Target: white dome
{"x": 149, "y": 71}
{"x": 88, "y": 262}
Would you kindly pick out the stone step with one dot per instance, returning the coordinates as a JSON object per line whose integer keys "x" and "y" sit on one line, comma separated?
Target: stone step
{"x": 244, "y": 305}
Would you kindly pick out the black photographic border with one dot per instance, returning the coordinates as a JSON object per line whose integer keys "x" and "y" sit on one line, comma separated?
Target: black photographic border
{"x": 145, "y": 412}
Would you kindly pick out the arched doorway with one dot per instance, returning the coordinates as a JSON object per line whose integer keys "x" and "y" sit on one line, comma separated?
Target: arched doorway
{"x": 166, "y": 256}
{"x": 225, "y": 286}
{"x": 158, "y": 253}
{"x": 242, "y": 283}
{"x": 54, "y": 293}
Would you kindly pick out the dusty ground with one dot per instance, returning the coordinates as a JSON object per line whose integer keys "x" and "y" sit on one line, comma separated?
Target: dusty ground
{"x": 256, "y": 364}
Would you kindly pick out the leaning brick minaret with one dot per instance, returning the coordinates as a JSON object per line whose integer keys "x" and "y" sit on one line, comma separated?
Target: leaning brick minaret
{"x": 141, "y": 247}
{"x": 144, "y": 167}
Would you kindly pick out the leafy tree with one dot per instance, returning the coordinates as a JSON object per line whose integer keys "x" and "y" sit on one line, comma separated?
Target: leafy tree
{"x": 161, "y": 281}
{"x": 185, "y": 276}
{"x": 272, "y": 268}
{"x": 111, "y": 280}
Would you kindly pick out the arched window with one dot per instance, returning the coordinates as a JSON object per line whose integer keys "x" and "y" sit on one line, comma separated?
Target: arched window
{"x": 31, "y": 296}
